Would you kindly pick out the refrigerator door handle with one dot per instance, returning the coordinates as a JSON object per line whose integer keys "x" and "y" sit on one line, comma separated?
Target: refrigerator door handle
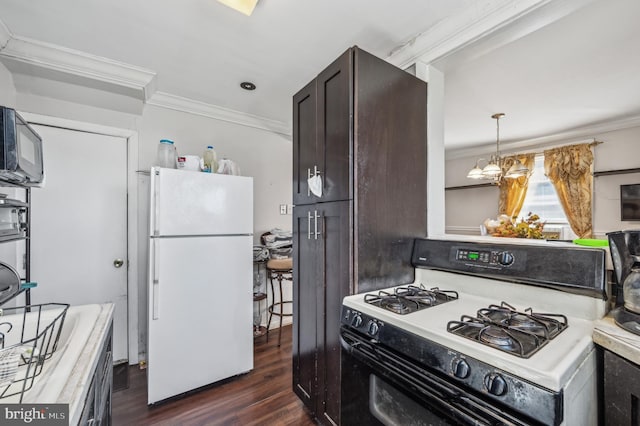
{"x": 156, "y": 203}
{"x": 155, "y": 283}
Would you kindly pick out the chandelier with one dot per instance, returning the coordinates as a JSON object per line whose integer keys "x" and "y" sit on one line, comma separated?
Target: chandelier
{"x": 493, "y": 170}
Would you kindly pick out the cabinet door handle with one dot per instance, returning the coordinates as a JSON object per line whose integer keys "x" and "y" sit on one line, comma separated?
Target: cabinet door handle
{"x": 316, "y": 216}
{"x": 308, "y": 225}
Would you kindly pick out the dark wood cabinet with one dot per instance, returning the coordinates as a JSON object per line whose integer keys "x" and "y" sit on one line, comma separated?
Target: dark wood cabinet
{"x": 322, "y": 277}
{"x": 361, "y": 126}
{"x": 621, "y": 390}
{"x": 322, "y": 113}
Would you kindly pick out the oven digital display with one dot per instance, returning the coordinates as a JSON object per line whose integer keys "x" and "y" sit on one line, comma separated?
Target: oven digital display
{"x": 474, "y": 256}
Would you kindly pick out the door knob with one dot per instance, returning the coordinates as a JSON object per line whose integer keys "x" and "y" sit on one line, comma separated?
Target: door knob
{"x": 118, "y": 263}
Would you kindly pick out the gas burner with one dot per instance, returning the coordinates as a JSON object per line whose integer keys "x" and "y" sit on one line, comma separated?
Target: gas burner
{"x": 395, "y": 305}
{"x": 503, "y": 327}
{"x": 411, "y": 298}
{"x": 496, "y": 336}
{"x": 519, "y": 320}
{"x": 417, "y": 294}
{"x": 541, "y": 324}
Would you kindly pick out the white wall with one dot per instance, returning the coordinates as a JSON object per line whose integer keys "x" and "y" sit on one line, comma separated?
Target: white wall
{"x": 43, "y": 105}
{"x": 620, "y": 150}
{"x": 7, "y": 88}
{"x": 466, "y": 209}
{"x": 265, "y": 156}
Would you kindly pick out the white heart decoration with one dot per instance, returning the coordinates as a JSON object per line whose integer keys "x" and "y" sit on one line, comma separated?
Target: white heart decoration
{"x": 315, "y": 185}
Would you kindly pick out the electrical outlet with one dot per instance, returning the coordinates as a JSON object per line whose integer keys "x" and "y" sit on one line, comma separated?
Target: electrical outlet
{"x": 283, "y": 209}
{"x": 289, "y": 208}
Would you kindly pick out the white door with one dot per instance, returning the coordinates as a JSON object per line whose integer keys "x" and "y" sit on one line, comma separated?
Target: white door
{"x": 79, "y": 223}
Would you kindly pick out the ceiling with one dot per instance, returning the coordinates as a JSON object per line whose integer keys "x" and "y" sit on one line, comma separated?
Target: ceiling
{"x": 579, "y": 71}
{"x": 548, "y": 75}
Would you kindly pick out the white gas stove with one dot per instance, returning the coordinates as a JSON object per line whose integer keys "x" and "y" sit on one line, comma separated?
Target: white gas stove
{"x": 529, "y": 359}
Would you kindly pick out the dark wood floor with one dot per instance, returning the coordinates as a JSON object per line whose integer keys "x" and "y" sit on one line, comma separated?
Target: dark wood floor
{"x": 261, "y": 397}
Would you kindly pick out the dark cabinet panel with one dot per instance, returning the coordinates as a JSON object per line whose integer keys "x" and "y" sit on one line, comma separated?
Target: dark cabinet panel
{"x": 621, "y": 391}
{"x": 390, "y": 146}
{"x": 304, "y": 142}
{"x": 335, "y": 252}
{"x": 322, "y": 275}
{"x": 335, "y": 127}
{"x": 307, "y": 285}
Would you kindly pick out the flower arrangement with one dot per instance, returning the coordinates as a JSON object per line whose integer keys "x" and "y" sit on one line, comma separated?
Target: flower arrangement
{"x": 529, "y": 227}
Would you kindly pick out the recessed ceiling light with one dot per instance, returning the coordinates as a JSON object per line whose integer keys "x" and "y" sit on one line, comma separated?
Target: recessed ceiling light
{"x": 247, "y": 85}
{"x": 242, "y": 6}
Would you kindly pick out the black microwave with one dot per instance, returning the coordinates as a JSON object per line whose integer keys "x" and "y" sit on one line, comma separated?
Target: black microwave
{"x": 20, "y": 150}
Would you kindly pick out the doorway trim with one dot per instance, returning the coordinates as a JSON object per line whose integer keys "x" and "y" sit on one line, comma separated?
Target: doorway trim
{"x": 132, "y": 213}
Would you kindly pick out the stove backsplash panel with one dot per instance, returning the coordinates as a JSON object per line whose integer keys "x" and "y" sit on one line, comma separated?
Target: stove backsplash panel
{"x": 571, "y": 269}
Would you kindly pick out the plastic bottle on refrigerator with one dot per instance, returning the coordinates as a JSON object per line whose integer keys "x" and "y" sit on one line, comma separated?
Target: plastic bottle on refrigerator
{"x": 210, "y": 160}
{"x": 166, "y": 154}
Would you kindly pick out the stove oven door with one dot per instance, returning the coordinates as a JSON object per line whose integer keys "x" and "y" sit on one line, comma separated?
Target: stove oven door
{"x": 380, "y": 388}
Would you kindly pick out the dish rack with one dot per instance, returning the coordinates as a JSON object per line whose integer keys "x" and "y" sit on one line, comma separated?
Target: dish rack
{"x": 29, "y": 346}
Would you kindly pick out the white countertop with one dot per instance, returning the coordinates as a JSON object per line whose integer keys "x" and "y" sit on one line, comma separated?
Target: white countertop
{"x": 610, "y": 336}
{"x": 75, "y": 390}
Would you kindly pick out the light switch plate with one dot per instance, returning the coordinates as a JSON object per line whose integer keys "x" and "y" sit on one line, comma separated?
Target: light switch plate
{"x": 289, "y": 208}
{"x": 283, "y": 209}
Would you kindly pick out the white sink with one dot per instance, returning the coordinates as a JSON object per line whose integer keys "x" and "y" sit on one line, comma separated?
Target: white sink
{"x": 63, "y": 366}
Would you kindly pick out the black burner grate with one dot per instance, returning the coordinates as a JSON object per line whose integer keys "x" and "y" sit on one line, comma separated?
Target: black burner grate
{"x": 411, "y": 298}
{"x": 504, "y": 328}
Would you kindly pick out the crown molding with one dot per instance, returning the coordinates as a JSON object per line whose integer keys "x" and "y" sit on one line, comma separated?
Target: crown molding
{"x": 5, "y": 35}
{"x": 574, "y": 135}
{"x": 142, "y": 82}
{"x": 471, "y": 25}
{"x": 178, "y": 103}
{"x": 461, "y": 29}
{"x": 68, "y": 61}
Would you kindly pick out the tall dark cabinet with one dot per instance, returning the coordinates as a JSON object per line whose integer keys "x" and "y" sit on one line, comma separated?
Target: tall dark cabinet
{"x": 361, "y": 126}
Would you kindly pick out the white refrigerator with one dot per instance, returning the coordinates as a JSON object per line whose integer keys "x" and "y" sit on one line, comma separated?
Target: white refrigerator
{"x": 200, "y": 288}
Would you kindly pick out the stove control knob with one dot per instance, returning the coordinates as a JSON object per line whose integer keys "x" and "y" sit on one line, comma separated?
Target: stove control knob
{"x": 495, "y": 384}
{"x": 505, "y": 258}
{"x": 460, "y": 368}
{"x": 356, "y": 321}
{"x": 373, "y": 328}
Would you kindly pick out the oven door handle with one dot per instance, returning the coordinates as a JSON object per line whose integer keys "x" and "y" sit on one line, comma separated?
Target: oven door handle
{"x": 350, "y": 343}
{"x": 465, "y": 407}
{"x": 346, "y": 346}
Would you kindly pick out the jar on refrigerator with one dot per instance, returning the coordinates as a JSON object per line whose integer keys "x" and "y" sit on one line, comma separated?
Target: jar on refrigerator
{"x": 166, "y": 154}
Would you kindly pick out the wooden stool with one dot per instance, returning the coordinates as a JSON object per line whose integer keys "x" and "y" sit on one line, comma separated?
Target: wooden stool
{"x": 279, "y": 269}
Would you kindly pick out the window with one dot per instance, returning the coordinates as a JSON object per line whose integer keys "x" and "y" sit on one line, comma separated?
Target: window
{"x": 541, "y": 197}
